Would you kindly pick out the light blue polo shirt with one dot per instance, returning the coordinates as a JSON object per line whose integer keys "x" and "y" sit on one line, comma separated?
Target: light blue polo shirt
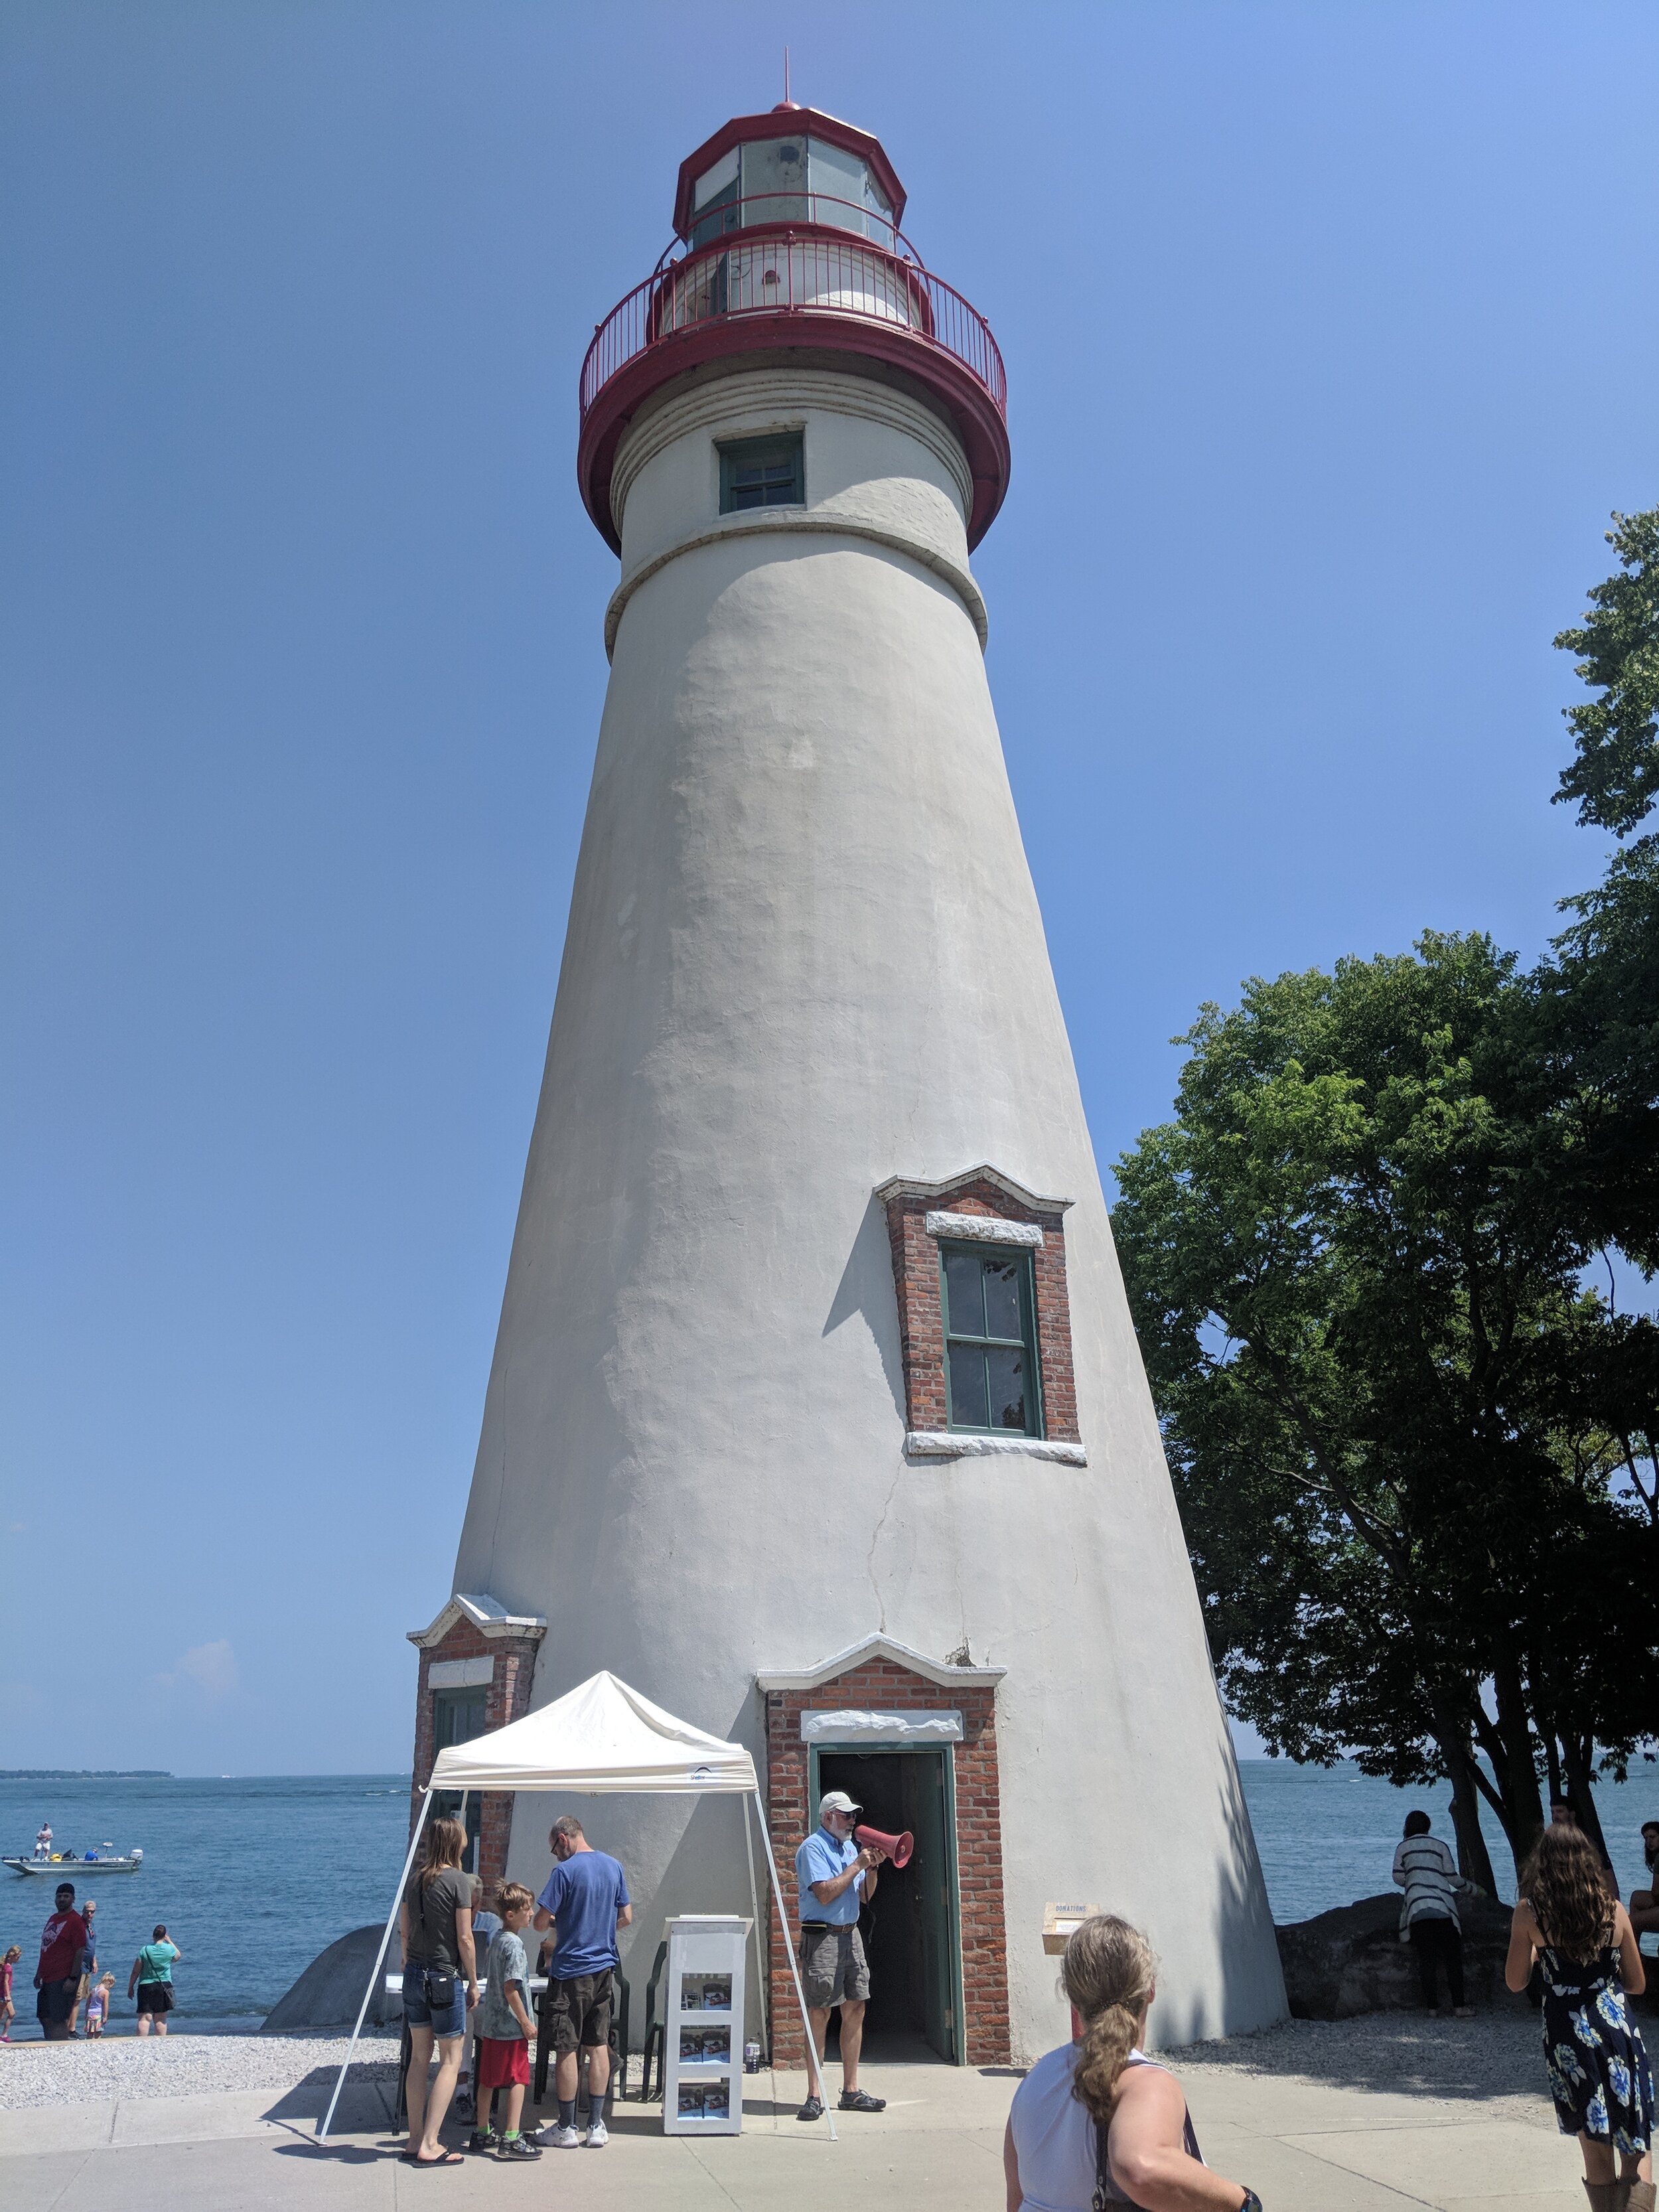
{"x": 821, "y": 1858}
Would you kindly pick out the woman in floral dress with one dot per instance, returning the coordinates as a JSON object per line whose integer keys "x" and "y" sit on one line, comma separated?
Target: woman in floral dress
{"x": 1598, "y": 2065}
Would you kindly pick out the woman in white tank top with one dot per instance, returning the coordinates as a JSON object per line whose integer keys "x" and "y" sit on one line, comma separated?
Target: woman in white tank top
{"x": 1097, "y": 2122}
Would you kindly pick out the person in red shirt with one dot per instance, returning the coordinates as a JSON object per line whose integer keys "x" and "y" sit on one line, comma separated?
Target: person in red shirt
{"x": 57, "y": 1977}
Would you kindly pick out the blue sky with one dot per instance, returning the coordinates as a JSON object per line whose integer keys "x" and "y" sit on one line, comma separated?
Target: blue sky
{"x": 1330, "y": 332}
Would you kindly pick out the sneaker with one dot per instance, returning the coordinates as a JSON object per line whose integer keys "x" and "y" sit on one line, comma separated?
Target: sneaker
{"x": 518, "y": 2147}
{"x": 565, "y": 2139}
{"x": 860, "y": 2101}
{"x": 483, "y": 2139}
{"x": 596, "y": 2136}
{"x": 1462, "y": 2012}
{"x": 811, "y": 2109}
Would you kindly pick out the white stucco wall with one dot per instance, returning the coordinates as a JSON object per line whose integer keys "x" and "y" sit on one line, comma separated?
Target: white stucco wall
{"x": 805, "y": 955}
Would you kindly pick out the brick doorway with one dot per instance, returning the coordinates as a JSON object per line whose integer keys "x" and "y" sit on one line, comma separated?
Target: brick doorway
{"x": 877, "y": 1702}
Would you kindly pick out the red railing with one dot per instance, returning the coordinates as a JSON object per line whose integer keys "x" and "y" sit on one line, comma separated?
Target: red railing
{"x": 799, "y": 268}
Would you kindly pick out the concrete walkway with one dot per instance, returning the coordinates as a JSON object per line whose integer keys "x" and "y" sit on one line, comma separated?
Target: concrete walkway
{"x": 1304, "y": 2145}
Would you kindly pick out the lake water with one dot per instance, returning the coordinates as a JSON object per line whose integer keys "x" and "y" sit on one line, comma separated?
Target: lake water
{"x": 253, "y": 1875}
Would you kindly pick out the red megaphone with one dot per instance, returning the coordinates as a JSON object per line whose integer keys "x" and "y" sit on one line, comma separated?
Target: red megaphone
{"x": 899, "y": 1849}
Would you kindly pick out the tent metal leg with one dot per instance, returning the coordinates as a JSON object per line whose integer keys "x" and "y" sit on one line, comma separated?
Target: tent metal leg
{"x": 754, "y": 1907}
{"x": 380, "y": 1960}
{"x": 814, "y": 2076}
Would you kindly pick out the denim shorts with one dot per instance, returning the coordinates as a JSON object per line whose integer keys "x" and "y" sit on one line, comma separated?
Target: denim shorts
{"x": 447, "y": 2019}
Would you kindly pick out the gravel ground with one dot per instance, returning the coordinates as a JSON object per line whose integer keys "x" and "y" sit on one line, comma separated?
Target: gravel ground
{"x": 36, "y": 2074}
{"x": 1497, "y": 2055}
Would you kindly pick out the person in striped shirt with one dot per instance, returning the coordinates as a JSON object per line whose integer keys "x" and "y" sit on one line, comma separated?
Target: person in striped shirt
{"x": 1426, "y": 1870}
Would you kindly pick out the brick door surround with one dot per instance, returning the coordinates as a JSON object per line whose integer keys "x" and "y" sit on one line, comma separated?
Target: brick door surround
{"x": 478, "y": 1629}
{"x": 880, "y": 1674}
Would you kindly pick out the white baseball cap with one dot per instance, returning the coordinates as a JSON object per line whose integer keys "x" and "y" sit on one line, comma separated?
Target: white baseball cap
{"x": 838, "y": 1800}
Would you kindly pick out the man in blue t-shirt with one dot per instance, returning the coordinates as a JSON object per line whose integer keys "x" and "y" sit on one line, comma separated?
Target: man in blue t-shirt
{"x": 584, "y": 1903}
{"x": 834, "y": 1875}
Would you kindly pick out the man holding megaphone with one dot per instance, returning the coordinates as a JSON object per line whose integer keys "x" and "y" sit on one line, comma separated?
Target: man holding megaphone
{"x": 836, "y": 1873}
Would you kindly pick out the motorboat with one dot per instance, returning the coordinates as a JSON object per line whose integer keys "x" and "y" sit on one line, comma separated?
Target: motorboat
{"x": 69, "y": 1866}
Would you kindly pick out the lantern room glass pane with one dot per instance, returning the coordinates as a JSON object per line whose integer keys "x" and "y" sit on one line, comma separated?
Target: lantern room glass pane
{"x": 714, "y": 208}
{"x": 838, "y": 180}
{"x": 774, "y": 181}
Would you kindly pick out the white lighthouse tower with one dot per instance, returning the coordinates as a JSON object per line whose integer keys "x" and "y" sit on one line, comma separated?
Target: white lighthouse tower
{"x": 815, "y": 1413}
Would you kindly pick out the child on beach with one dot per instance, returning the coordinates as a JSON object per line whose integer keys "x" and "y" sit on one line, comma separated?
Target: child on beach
{"x": 97, "y": 2005}
{"x": 503, "y": 2028}
{"x": 8, "y": 2008}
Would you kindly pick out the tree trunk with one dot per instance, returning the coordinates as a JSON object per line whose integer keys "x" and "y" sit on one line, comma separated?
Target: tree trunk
{"x": 1518, "y": 1780}
{"x": 1473, "y": 1860}
{"x": 1582, "y": 1785}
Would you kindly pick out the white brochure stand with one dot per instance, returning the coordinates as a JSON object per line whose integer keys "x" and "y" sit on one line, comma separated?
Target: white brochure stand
{"x": 702, "y": 2078}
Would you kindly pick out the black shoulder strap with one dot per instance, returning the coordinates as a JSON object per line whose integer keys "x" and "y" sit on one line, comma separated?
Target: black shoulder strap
{"x": 1103, "y": 2195}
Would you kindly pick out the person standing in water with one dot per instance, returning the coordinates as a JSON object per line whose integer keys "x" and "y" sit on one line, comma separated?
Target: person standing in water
{"x": 1600, "y": 2078}
{"x": 1096, "y": 2121}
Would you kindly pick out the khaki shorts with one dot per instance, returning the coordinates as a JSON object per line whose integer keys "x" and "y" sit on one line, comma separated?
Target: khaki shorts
{"x": 832, "y": 1967}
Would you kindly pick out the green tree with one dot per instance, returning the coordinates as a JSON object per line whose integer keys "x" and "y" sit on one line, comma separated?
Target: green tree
{"x": 1615, "y": 771}
{"x": 1356, "y": 1291}
{"x": 1598, "y": 997}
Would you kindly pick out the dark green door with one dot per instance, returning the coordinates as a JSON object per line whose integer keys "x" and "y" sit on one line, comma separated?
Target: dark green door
{"x": 934, "y": 1870}
{"x": 910, "y": 1929}
{"x": 457, "y": 1716}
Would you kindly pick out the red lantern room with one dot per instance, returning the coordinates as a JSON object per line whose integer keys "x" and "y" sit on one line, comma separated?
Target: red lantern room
{"x": 787, "y": 238}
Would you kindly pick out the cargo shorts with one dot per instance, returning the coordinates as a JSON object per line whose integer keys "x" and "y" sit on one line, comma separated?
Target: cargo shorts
{"x": 832, "y": 1967}
{"x": 579, "y": 2012}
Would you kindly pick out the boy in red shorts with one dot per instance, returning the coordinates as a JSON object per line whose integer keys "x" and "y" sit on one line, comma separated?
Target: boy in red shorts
{"x": 502, "y": 2027}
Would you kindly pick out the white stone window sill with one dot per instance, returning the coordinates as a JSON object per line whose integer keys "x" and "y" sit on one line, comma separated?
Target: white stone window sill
{"x": 948, "y": 1444}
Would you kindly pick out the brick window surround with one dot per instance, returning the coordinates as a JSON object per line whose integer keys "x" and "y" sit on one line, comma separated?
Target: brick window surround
{"x": 981, "y": 1194}
{"x": 875, "y": 1675}
{"x": 479, "y": 1630}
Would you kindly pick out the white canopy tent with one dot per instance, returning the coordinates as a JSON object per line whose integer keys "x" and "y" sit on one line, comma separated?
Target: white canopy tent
{"x": 602, "y": 1737}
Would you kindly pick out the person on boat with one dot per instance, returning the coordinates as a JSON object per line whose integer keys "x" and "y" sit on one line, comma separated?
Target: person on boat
{"x": 57, "y": 1977}
{"x": 43, "y": 1840}
{"x": 1096, "y": 2121}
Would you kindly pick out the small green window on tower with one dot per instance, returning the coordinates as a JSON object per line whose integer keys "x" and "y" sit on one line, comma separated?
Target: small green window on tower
{"x": 990, "y": 1339}
{"x": 762, "y": 472}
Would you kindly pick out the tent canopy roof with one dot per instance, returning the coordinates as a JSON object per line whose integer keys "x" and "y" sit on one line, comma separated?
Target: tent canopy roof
{"x": 600, "y": 1736}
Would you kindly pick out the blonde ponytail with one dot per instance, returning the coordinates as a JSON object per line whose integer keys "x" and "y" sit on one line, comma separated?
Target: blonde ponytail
{"x": 1107, "y": 1973}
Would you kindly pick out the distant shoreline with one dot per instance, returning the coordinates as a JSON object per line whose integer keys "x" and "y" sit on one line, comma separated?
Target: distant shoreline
{"x": 86, "y": 1774}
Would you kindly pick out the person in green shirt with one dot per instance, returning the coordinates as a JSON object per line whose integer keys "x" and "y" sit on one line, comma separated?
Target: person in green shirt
{"x": 152, "y": 1974}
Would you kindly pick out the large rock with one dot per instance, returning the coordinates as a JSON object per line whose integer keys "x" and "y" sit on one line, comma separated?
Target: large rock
{"x": 328, "y": 1992}
{"x": 1352, "y": 1961}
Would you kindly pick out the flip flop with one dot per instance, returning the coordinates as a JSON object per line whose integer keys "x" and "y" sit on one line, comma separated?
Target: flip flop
{"x": 449, "y": 2157}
